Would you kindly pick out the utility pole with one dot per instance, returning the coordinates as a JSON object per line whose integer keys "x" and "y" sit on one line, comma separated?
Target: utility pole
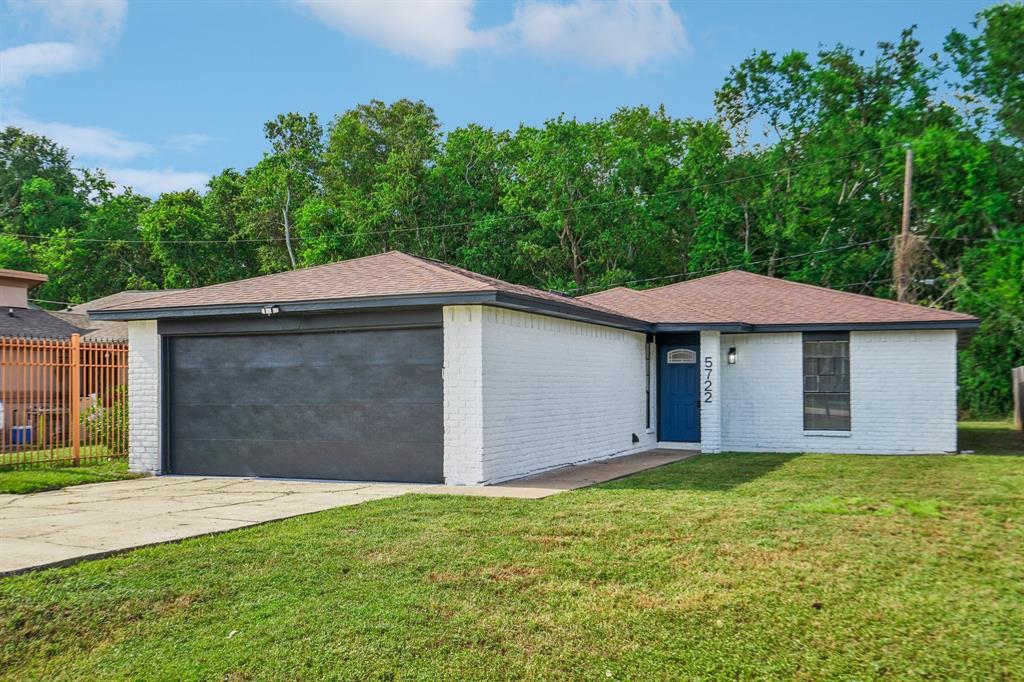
{"x": 902, "y": 255}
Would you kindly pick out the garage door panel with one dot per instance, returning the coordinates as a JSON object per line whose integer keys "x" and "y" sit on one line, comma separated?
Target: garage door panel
{"x": 342, "y": 460}
{"x": 409, "y": 346}
{"x": 354, "y": 405}
{"x": 309, "y": 422}
{"x": 395, "y": 383}
{"x": 418, "y": 346}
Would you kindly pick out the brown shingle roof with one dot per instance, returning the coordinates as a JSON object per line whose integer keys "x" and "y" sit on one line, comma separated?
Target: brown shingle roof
{"x": 387, "y": 274}
{"x": 742, "y": 297}
{"x": 734, "y": 297}
{"x": 126, "y": 296}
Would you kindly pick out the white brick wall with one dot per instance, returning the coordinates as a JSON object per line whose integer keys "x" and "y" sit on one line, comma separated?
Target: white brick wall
{"x": 554, "y": 392}
{"x": 463, "y": 395}
{"x": 902, "y": 394}
{"x": 710, "y": 408}
{"x": 143, "y": 397}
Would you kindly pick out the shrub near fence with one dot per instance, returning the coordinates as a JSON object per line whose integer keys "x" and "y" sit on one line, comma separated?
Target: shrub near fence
{"x": 62, "y": 401}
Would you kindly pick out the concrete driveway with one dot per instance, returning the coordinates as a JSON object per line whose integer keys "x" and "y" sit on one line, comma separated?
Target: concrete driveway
{"x": 82, "y": 521}
{"x": 88, "y": 521}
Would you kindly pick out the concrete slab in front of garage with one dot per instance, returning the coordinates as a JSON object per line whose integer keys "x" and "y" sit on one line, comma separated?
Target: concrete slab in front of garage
{"x": 89, "y": 521}
{"x": 99, "y": 519}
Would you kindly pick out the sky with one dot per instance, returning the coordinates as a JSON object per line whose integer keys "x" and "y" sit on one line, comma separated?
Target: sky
{"x": 162, "y": 95}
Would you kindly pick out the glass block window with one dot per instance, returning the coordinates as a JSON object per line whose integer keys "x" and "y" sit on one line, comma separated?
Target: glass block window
{"x": 682, "y": 355}
{"x": 827, "y": 381}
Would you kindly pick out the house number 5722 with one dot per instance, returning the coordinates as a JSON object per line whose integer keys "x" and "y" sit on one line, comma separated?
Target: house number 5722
{"x": 708, "y": 366}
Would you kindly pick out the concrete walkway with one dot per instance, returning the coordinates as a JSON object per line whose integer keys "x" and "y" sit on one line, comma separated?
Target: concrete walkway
{"x": 89, "y": 521}
{"x": 570, "y": 477}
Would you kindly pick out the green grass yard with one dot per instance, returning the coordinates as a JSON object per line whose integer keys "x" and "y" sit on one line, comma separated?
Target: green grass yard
{"x": 51, "y": 477}
{"x": 56, "y": 456}
{"x": 724, "y": 566}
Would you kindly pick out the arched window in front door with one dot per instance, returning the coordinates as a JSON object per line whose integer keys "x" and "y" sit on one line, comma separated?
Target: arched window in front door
{"x": 682, "y": 356}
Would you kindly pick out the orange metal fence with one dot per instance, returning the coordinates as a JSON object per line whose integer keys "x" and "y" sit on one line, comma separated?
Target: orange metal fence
{"x": 62, "y": 401}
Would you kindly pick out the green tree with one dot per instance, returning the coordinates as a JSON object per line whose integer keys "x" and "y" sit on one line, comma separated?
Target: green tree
{"x": 992, "y": 64}
{"x": 187, "y": 245}
{"x": 274, "y": 190}
{"x": 23, "y": 157}
{"x": 376, "y": 168}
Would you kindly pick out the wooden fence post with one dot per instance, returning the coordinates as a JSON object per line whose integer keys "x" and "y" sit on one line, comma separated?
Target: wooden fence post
{"x": 76, "y": 402}
{"x": 1018, "y": 397}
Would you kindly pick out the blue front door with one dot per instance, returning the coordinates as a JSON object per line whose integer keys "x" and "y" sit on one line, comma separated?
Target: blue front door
{"x": 678, "y": 400}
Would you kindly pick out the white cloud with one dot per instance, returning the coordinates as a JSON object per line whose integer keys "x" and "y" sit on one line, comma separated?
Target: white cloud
{"x": 38, "y": 59}
{"x": 625, "y": 34}
{"x": 96, "y": 146}
{"x": 621, "y": 34}
{"x": 155, "y": 182}
{"x": 91, "y": 26}
{"x": 86, "y": 142}
{"x": 432, "y": 32}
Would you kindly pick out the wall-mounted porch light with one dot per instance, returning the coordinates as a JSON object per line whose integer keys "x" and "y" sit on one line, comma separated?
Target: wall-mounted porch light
{"x": 731, "y": 357}
{"x": 269, "y": 310}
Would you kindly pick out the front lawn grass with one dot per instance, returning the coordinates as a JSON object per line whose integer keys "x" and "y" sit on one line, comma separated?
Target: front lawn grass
{"x": 40, "y": 478}
{"x": 723, "y": 566}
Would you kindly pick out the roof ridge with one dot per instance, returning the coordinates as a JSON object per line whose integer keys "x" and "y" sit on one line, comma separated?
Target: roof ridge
{"x": 270, "y": 275}
{"x": 806, "y": 285}
{"x": 436, "y": 265}
{"x": 816, "y": 287}
{"x": 497, "y": 284}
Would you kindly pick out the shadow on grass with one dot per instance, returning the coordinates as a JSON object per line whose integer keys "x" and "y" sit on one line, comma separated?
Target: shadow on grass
{"x": 712, "y": 472}
{"x": 990, "y": 438}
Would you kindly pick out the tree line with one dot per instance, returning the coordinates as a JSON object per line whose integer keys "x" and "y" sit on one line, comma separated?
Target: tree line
{"x": 798, "y": 175}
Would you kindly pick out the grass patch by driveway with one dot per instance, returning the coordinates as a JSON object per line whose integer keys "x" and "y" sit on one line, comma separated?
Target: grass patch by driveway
{"x": 38, "y": 479}
{"x": 723, "y": 566}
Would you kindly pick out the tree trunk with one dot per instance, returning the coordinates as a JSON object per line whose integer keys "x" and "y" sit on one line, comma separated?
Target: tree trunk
{"x": 576, "y": 257}
{"x": 287, "y": 224}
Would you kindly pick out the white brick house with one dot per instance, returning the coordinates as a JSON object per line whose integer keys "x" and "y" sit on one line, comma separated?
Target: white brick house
{"x": 394, "y": 367}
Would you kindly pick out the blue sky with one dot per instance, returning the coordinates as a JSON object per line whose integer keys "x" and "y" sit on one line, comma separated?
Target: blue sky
{"x": 164, "y": 94}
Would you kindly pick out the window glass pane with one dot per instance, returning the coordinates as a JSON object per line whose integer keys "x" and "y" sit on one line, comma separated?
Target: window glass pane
{"x": 682, "y": 355}
{"x": 827, "y": 383}
{"x": 827, "y": 411}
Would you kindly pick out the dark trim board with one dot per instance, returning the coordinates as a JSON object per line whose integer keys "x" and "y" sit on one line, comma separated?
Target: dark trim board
{"x": 567, "y": 310}
{"x": 864, "y": 326}
{"x": 298, "y": 323}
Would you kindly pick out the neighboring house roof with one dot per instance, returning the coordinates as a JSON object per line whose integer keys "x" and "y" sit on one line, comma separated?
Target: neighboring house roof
{"x": 105, "y": 330}
{"x": 745, "y": 298}
{"x": 35, "y": 323}
{"x": 731, "y": 300}
{"x": 126, "y": 296}
{"x": 94, "y": 330}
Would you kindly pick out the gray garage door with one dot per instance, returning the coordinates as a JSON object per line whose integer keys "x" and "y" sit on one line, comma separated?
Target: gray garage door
{"x": 359, "y": 405}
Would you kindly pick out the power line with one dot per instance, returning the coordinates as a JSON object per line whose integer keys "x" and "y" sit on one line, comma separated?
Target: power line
{"x": 733, "y": 266}
{"x": 966, "y": 240}
{"x": 498, "y": 218}
{"x": 691, "y": 275}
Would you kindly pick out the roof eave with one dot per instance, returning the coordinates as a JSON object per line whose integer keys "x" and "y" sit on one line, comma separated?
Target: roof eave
{"x": 569, "y": 311}
{"x": 905, "y": 325}
{"x": 501, "y": 299}
{"x": 232, "y": 309}
{"x": 676, "y": 327}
